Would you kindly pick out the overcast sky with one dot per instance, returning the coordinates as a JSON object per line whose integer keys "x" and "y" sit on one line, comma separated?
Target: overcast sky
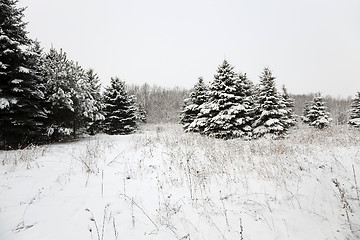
{"x": 311, "y": 45}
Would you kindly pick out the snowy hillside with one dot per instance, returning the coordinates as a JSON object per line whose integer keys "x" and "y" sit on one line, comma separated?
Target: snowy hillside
{"x": 164, "y": 184}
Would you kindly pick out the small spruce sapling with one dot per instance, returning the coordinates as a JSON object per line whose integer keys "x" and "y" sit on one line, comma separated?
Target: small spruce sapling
{"x": 317, "y": 114}
{"x": 354, "y": 116}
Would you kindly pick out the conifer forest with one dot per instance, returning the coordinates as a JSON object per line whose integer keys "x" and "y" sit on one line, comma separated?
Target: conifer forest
{"x": 230, "y": 158}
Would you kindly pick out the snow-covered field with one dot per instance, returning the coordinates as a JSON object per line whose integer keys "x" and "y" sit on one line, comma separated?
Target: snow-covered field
{"x": 164, "y": 184}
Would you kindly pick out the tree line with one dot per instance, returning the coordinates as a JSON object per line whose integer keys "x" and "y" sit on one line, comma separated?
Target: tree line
{"x": 231, "y": 106}
{"x": 162, "y": 105}
{"x": 46, "y": 97}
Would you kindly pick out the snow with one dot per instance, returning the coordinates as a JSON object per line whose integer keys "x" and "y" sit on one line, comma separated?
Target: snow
{"x": 162, "y": 183}
{"x": 24, "y": 70}
{"x": 4, "y": 103}
{"x": 272, "y": 122}
{"x": 16, "y": 81}
{"x": 17, "y": 90}
{"x": 3, "y": 66}
{"x": 14, "y": 101}
{"x": 8, "y": 51}
{"x": 355, "y": 121}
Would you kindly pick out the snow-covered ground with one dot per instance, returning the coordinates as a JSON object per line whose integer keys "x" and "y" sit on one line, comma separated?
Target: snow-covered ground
{"x": 164, "y": 184}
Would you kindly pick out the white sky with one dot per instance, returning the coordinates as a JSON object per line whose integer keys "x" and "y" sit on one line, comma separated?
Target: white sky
{"x": 311, "y": 45}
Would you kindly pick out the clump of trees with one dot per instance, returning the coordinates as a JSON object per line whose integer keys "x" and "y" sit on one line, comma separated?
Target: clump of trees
{"x": 46, "y": 97}
{"x": 232, "y": 106}
{"x": 162, "y": 105}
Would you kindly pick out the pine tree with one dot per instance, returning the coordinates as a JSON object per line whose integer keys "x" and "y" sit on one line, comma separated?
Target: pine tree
{"x": 245, "y": 118}
{"x": 21, "y": 113}
{"x": 354, "y": 118}
{"x": 225, "y": 114}
{"x": 269, "y": 110}
{"x": 36, "y": 58}
{"x": 288, "y": 105}
{"x": 73, "y": 96}
{"x": 119, "y": 110}
{"x": 93, "y": 101}
{"x": 191, "y": 106}
{"x": 317, "y": 116}
{"x": 60, "y": 94}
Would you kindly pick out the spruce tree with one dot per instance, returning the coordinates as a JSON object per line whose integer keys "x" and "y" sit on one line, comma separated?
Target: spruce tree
{"x": 120, "y": 113}
{"x": 60, "y": 94}
{"x": 191, "y": 106}
{"x": 305, "y": 111}
{"x": 140, "y": 112}
{"x": 225, "y": 114}
{"x": 288, "y": 105}
{"x": 93, "y": 101}
{"x": 73, "y": 96}
{"x": 269, "y": 109}
{"x": 21, "y": 113}
{"x": 316, "y": 115}
{"x": 354, "y": 117}
{"x": 245, "y": 118}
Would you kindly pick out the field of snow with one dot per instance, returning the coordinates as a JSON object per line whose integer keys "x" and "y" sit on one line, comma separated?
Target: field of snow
{"x": 164, "y": 184}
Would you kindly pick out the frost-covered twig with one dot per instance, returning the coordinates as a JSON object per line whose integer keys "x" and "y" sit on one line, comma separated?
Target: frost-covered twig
{"x": 141, "y": 209}
{"x": 92, "y": 218}
{"x": 95, "y": 223}
{"x": 357, "y": 189}
{"x": 241, "y": 230}
{"x": 346, "y": 205}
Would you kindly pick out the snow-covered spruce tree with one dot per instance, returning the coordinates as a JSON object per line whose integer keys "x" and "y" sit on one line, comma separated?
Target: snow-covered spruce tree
{"x": 269, "y": 110}
{"x": 246, "y": 89}
{"x": 119, "y": 110}
{"x": 288, "y": 105}
{"x": 72, "y": 94}
{"x": 225, "y": 114}
{"x": 21, "y": 113}
{"x": 60, "y": 94}
{"x": 191, "y": 106}
{"x": 316, "y": 115}
{"x": 354, "y": 117}
{"x": 93, "y": 101}
{"x": 140, "y": 112}
{"x": 305, "y": 112}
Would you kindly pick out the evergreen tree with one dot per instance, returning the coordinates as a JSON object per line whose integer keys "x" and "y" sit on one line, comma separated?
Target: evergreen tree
{"x": 316, "y": 115}
{"x": 93, "y": 101}
{"x": 305, "y": 111}
{"x": 73, "y": 96}
{"x": 225, "y": 115}
{"x": 269, "y": 110}
{"x": 354, "y": 118}
{"x": 60, "y": 94}
{"x": 140, "y": 112}
{"x": 21, "y": 113}
{"x": 247, "y": 92}
{"x": 288, "y": 105}
{"x": 119, "y": 110}
{"x": 191, "y": 106}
